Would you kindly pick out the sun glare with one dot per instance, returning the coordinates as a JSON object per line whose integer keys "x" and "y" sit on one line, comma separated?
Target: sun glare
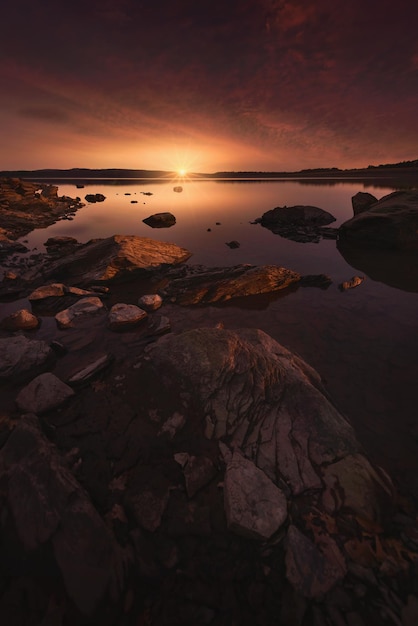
{"x": 182, "y": 172}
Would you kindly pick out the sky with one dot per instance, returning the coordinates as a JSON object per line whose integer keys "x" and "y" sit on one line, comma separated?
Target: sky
{"x": 207, "y": 86}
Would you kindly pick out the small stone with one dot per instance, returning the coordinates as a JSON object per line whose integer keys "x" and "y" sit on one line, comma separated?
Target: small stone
{"x": 85, "y": 306}
{"x": 350, "y": 284}
{"x": 122, "y": 316}
{"x": 20, "y": 320}
{"x": 233, "y": 244}
{"x": 150, "y": 302}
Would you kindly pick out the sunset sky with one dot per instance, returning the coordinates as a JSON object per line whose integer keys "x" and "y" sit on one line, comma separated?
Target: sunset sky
{"x": 208, "y": 85}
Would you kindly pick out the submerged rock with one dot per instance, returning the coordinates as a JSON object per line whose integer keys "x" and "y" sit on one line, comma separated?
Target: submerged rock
{"x": 205, "y": 285}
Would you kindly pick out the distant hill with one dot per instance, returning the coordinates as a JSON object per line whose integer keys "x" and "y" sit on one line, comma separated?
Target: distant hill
{"x": 80, "y": 174}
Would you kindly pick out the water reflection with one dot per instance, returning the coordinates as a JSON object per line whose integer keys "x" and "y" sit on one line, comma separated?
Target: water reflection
{"x": 395, "y": 269}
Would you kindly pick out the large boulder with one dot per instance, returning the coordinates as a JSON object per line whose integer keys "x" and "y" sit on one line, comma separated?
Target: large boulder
{"x": 389, "y": 224}
{"x": 116, "y": 258}
{"x": 362, "y": 201}
{"x": 43, "y": 393}
{"x": 257, "y": 396}
{"x": 205, "y": 285}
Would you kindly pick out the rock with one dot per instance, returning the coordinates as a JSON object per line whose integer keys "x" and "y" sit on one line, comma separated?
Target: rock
{"x": 20, "y": 320}
{"x": 122, "y": 316}
{"x": 49, "y": 507}
{"x": 160, "y": 324}
{"x": 85, "y": 306}
{"x": 23, "y": 358}
{"x": 178, "y": 189}
{"x": 160, "y": 220}
{"x": 389, "y": 224}
{"x": 88, "y": 372}
{"x": 24, "y": 208}
{"x": 350, "y": 284}
{"x": 362, "y": 201}
{"x": 313, "y": 570}
{"x": 221, "y": 284}
{"x": 323, "y": 281}
{"x": 254, "y": 506}
{"x": 198, "y": 471}
{"x": 150, "y": 302}
{"x": 300, "y": 223}
{"x": 172, "y": 425}
{"x": 233, "y": 244}
{"x": 148, "y": 506}
{"x": 60, "y": 241}
{"x": 45, "y": 392}
{"x": 47, "y": 291}
{"x": 116, "y": 258}
{"x": 250, "y": 390}
{"x": 354, "y": 484}
{"x": 95, "y": 197}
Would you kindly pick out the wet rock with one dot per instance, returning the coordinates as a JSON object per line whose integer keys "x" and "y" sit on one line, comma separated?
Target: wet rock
{"x": 23, "y": 358}
{"x": 220, "y": 284}
{"x": 312, "y": 570}
{"x": 95, "y": 197}
{"x": 47, "y": 291}
{"x": 300, "y": 223}
{"x": 43, "y": 393}
{"x": 85, "y": 306}
{"x": 233, "y": 244}
{"x": 254, "y": 506}
{"x": 350, "y": 284}
{"x": 48, "y": 506}
{"x": 115, "y": 258}
{"x": 20, "y": 320}
{"x": 160, "y": 220}
{"x": 91, "y": 370}
{"x": 362, "y": 201}
{"x": 389, "y": 224}
{"x": 122, "y": 316}
{"x": 150, "y": 302}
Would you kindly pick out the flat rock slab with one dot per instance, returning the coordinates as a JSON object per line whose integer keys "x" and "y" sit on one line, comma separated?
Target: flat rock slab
{"x": 23, "y": 358}
{"x": 85, "y": 374}
{"x": 122, "y": 316}
{"x": 116, "y": 258}
{"x": 390, "y": 224}
{"x": 85, "y": 306}
{"x": 43, "y": 393}
{"x": 56, "y": 290}
{"x": 207, "y": 285}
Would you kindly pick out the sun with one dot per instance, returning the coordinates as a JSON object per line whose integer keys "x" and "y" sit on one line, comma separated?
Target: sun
{"x": 182, "y": 172}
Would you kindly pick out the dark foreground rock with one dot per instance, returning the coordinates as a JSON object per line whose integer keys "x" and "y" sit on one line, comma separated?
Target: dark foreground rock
{"x": 25, "y": 206}
{"x": 389, "y": 224}
{"x": 116, "y": 258}
{"x": 299, "y": 223}
{"x": 205, "y": 478}
{"x": 362, "y": 201}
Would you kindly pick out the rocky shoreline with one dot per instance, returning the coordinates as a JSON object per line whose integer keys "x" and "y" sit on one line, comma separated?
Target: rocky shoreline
{"x": 201, "y": 476}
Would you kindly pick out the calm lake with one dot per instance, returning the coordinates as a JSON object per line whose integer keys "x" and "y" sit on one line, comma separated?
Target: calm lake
{"x": 363, "y": 342}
